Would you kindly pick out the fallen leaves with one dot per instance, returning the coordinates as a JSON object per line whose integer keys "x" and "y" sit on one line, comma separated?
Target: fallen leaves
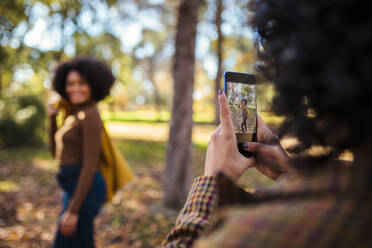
{"x": 136, "y": 217}
{"x": 30, "y": 205}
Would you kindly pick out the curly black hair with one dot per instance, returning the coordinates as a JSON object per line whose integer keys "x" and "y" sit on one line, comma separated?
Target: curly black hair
{"x": 318, "y": 54}
{"x": 95, "y": 72}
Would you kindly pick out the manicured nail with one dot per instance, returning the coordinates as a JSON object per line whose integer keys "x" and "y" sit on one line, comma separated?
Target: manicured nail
{"x": 220, "y": 92}
{"x": 245, "y": 145}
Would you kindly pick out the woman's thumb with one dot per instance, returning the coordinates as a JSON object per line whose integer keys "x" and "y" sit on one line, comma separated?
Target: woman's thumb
{"x": 253, "y": 147}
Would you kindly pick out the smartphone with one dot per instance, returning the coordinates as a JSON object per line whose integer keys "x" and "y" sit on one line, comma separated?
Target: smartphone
{"x": 240, "y": 89}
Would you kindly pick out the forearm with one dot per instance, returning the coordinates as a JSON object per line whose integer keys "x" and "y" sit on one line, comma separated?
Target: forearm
{"x": 91, "y": 130}
{"x": 196, "y": 215}
{"x": 52, "y": 131}
{"x": 82, "y": 188}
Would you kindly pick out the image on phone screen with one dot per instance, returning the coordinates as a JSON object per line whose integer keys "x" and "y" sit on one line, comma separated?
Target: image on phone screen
{"x": 241, "y": 99}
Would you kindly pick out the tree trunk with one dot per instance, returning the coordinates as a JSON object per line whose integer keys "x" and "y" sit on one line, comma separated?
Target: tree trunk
{"x": 219, "y": 62}
{"x": 178, "y": 171}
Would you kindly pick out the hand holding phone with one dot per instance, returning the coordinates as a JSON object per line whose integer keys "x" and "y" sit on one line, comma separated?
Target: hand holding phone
{"x": 272, "y": 160}
{"x": 222, "y": 153}
{"x": 240, "y": 89}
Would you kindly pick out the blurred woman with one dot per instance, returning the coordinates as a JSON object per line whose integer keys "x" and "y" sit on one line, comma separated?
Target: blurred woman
{"x": 81, "y": 83}
{"x": 245, "y": 115}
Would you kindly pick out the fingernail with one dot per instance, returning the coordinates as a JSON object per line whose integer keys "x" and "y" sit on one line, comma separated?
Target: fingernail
{"x": 245, "y": 145}
{"x": 220, "y": 92}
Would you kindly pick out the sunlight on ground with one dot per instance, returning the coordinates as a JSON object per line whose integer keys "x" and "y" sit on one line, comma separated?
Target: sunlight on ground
{"x": 347, "y": 156}
{"x": 155, "y": 131}
{"x": 288, "y": 142}
{"x": 315, "y": 150}
{"x": 164, "y": 116}
{"x": 138, "y": 131}
{"x": 8, "y": 186}
{"x": 270, "y": 118}
{"x": 44, "y": 164}
{"x": 160, "y": 131}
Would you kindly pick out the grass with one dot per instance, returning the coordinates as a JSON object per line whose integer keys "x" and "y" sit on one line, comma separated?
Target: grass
{"x": 142, "y": 152}
{"x": 24, "y": 154}
{"x": 135, "y": 116}
{"x": 8, "y": 186}
{"x": 271, "y": 119}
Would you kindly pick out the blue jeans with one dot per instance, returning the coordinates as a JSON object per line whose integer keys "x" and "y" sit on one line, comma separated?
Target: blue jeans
{"x": 83, "y": 237}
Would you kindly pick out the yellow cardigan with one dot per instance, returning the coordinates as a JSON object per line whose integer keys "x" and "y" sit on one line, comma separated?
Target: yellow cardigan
{"x": 112, "y": 165}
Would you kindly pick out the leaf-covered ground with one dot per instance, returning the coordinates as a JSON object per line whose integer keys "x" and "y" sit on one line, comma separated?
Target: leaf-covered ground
{"x": 30, "y": 197}
{"x": 30, "y": 201}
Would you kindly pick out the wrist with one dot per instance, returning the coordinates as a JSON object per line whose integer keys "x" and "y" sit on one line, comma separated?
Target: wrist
{"x": 236, "y": 169}
{"x": 209, "y": 172}
{"x": 280, "y": 176}
{"x": 52, "y": 114}
{"x": 71, "y": 214}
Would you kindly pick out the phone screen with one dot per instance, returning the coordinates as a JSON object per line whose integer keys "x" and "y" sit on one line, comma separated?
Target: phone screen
{"x": 241, "y": 98}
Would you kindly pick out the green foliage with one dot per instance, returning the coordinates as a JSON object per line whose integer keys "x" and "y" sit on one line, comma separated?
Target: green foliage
{"x": 265, "y": 95}
{"x": 142, "y": 68}
{"x": 22, "y": 120}
{"x": 25, "y": 154}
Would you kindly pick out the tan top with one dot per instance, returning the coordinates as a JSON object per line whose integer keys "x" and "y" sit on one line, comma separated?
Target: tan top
{"x": 77, "y": 141}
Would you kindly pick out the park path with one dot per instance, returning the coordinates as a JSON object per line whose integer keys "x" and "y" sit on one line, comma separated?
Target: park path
{"x": 155, "y": 131}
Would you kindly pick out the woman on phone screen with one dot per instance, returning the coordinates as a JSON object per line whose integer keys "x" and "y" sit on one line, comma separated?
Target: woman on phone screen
{"x": 81, "y": 83}
{"x": 245, "y": 115}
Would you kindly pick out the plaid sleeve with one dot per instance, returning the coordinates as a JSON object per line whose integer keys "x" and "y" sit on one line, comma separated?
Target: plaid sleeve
{"x": 229, "y": 193}
{"x": 293, "y": 223}
{"x": 311, "y": 212}
{"x": 195, "y": 215}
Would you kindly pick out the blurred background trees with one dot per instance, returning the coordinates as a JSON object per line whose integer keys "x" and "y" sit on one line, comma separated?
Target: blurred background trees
{"x": 137, "y": 38}
{"x": 160, "y": 113}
